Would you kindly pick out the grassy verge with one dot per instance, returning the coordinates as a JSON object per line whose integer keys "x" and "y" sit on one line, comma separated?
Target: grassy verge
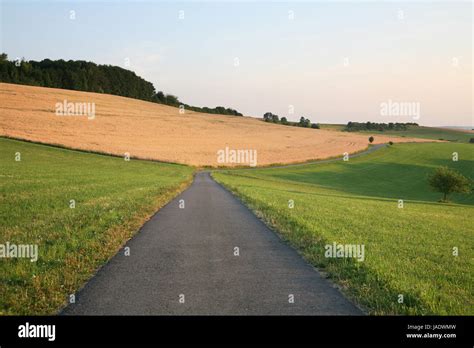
{"x": 113, "y": 198}
{"x": 408, "y": 251}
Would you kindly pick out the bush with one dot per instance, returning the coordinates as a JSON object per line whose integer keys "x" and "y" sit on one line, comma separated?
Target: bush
{"x": 447, "y": 181}
{"x": 371, "y": 140}
{"x": 304, "y": 122}
{"x": 268, "y": 117}
{"x": 361, "y": 126}
{"x": 471, "y": 140}
{"x": 390, "y": 142}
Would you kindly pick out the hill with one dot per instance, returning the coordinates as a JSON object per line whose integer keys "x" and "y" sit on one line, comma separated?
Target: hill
{"x": 154, "y": 131}
{"x": 422, "y": 132}
{"x": 85, "y": 76}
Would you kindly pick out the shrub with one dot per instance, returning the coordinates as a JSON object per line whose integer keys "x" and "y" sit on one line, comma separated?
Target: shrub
{"x": 371, "y": 140}
{"x": 304, "y": 122}
{"x": 361, "y": 126}
{"x": 268, "y": 117}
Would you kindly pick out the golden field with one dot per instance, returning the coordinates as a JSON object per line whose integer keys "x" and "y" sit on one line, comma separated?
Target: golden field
{"x": 159, "y": 132}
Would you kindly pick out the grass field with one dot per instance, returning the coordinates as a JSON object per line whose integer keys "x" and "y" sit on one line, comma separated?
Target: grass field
{"x": 428, "y": 133}
{"x": 415, "y": 132}
{"x": 408, "y": 251}
{"x": 113, "y": 198}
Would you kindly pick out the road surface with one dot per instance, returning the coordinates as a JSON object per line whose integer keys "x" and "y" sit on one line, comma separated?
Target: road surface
{"x": 184, "y": 261}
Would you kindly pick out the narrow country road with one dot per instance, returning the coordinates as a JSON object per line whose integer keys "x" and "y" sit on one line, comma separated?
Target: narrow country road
{"x": 189, "y": 254}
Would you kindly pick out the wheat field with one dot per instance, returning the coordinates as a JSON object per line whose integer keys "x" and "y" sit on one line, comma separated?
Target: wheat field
{"x": 153, "y": 131}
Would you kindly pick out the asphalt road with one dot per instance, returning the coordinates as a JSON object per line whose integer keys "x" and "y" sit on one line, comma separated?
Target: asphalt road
{"x": 191, "y": 252}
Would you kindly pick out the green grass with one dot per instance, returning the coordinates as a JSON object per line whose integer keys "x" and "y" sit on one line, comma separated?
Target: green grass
{"x": 113, "y": 199}
{"x": 415, "y": 132}
{"x": 428, "y": 133}
{"x": 408, "y": 250}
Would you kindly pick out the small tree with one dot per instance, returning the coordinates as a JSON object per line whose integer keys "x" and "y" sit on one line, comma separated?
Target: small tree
{"x": 275, "y": 118}
{"x": 371, "y": 140}
{"x": 268, "y": 117}
{"x": 447, "y": 181}
{"x": 284, "y": 120}
{"x": 302, "y": 122}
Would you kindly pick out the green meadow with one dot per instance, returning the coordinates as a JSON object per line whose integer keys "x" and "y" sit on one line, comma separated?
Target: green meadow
{"x": 410, "y": 264}
{"x": 415, "y": 132}
{"x": 429, "y": 133}
{"x": 419, "y": 256}
{"x": 112, "y": 199}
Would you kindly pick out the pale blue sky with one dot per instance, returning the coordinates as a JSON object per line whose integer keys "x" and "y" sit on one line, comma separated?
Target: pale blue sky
{"x": 402, "y": 51}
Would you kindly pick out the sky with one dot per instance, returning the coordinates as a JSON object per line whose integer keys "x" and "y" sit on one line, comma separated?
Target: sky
{"x": 329, "y": 61}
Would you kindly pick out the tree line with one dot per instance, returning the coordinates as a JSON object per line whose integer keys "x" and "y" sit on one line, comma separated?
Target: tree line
{"x": 361, "y": 126}
{"x": 90, "y": 77}
{"x": 303, "y": 122}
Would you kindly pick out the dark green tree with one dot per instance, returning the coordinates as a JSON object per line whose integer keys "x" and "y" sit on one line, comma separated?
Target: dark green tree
{"x": 447, "y": 181}
{"x": 268, "y": 117}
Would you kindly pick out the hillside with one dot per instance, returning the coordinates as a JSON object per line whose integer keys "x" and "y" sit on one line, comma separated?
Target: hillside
{"x": 85, "y": 76}
{"x": 435, "y": 133}
{"x": 155, "y": 131}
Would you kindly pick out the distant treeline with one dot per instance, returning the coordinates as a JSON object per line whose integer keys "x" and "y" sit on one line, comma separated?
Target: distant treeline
{"x": 304, "y": 122}
{"x": 361, "y": 126}
{"x": 90, "y": 77}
